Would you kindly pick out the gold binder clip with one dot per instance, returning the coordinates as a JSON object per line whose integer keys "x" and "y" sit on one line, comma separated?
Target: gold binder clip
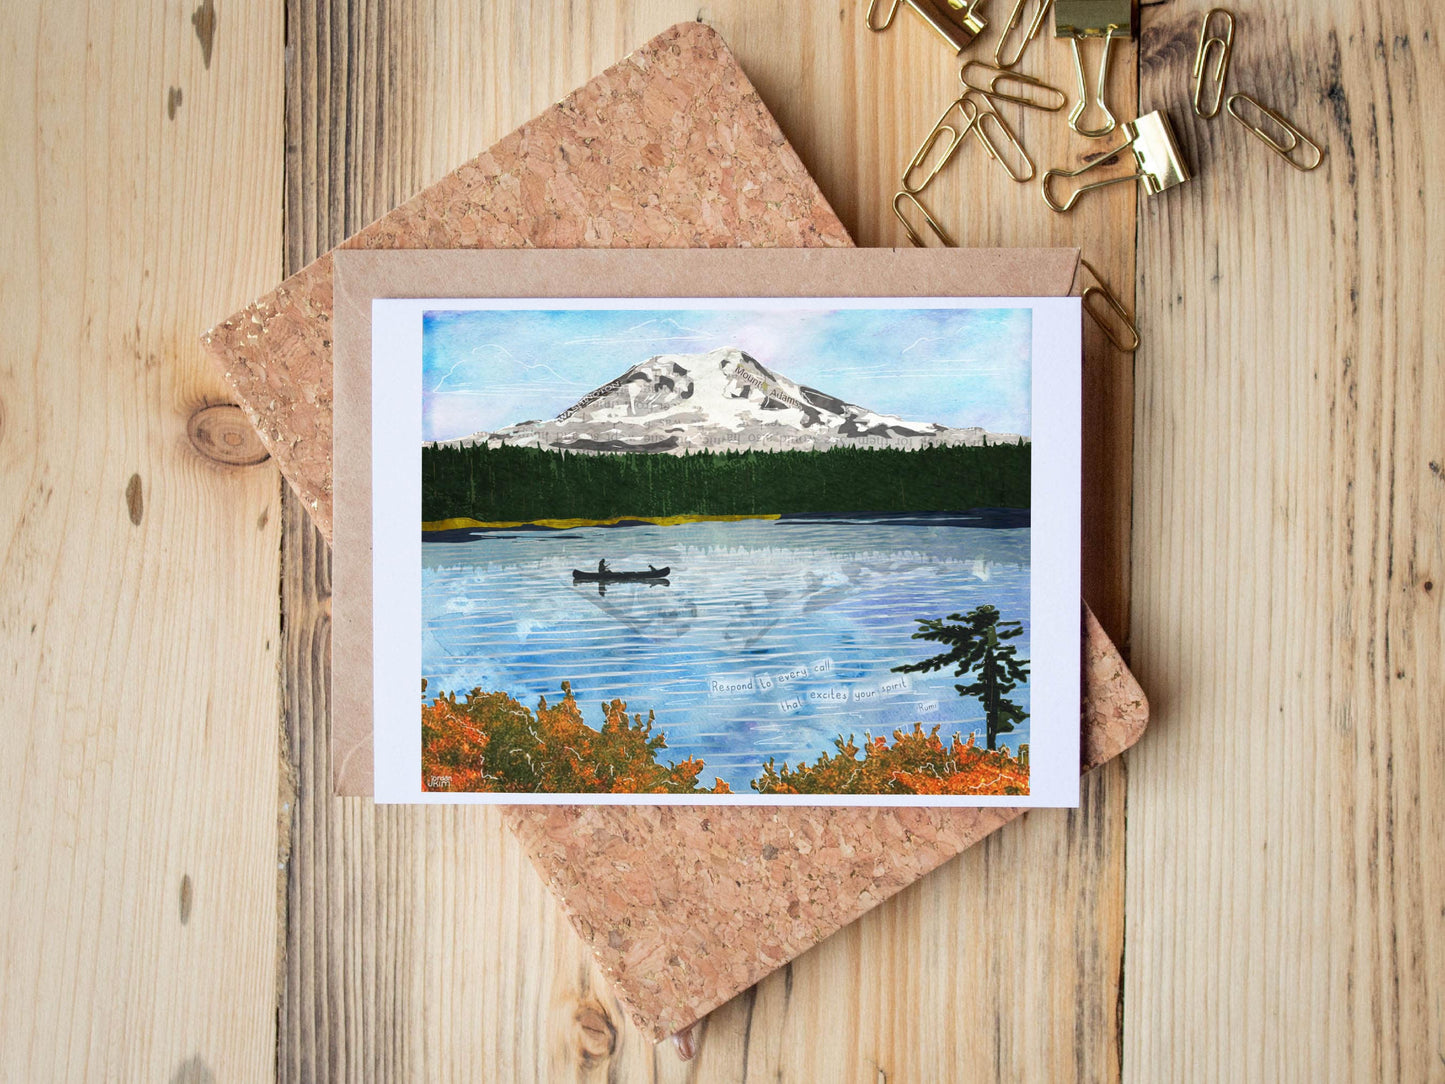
{"x": 1052, "y": 99}
{"x": 987, "y": 116}
{"x": 1294, "y": 138}
{"x": 965, "y": 13}
{"x": 1221, "y": 48}
{"x": 913, "y": 235}
{"x": 1015, "y": 20}
{"x": 1156, "y": 156}
{"x": 1101, "y": 289}
{"x": 956, "y": 23}
{"x": 949, "y": 127}
{"x": 1107, "y": 19}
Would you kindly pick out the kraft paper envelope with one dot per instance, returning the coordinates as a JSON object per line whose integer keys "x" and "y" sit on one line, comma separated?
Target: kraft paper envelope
{"x": 685, "y": 906}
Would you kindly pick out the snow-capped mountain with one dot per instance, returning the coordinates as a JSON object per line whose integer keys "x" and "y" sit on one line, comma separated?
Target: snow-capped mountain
{"x": 724, "y": 399}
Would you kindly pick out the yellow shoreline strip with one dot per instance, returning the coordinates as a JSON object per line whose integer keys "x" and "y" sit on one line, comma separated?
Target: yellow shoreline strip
{"x": 564, "y": 524}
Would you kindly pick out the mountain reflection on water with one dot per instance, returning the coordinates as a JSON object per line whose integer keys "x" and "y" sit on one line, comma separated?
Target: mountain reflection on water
{"x": 770, "y": 637}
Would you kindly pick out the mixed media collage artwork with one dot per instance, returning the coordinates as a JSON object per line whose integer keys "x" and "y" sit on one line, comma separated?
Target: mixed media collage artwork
{"x": 751, "y": 550}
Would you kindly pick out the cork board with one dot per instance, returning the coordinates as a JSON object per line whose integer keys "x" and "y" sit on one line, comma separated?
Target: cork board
{"x": 671, "y": 147}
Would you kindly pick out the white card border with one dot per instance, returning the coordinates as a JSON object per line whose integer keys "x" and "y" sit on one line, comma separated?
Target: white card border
{"x": 396, "y": 431}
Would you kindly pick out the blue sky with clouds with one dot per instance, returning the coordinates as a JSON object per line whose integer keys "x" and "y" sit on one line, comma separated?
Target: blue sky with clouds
{"x": 487, "y": 368}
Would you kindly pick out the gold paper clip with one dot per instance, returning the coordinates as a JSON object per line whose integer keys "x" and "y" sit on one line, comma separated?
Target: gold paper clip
{"x": 1156, "y": 156}
{"x": 956, "y": 23}
{"x": 1015, "y": 20}
{"x": 955, "y": 131}
{"x": 1221, "y": 47}
{"x": 1107, "y": 19}
{"x": 1101, "y": 289}
{"x": 1285, "y": 150}
{"x": 986, "y": 114}
{"x": 913, "y": 235}
{"x": 997, "y": 76}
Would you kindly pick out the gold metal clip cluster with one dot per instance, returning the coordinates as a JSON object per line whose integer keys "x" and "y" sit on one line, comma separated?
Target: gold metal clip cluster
{"x": 972, "y": 111}
{"x": 1158, "y": 162}
{"x": 1284, "y": 137}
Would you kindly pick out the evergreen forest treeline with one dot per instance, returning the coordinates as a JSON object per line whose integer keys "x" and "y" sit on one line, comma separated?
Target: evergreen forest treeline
{"x": 507, "y": 484}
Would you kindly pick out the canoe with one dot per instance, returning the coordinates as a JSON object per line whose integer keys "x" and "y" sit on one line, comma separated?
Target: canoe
{"x": 620, "y": 577}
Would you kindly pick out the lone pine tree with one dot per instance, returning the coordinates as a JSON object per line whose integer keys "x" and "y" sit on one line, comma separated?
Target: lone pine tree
{"x": 975, "y": 642}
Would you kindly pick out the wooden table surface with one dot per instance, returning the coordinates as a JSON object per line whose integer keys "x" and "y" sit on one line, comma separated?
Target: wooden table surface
{"x": 1256, "y": 893}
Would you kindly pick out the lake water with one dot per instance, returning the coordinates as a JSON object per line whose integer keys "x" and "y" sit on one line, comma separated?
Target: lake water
{"x": 770, "y": 638}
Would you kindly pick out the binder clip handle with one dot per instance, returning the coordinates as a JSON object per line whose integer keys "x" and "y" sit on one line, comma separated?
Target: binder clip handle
{"x": 1068, "y": 204}
{"x": 1158, "y": 162}
{"x": 1107, "y": 19}
{"x": 1076, "y": 115}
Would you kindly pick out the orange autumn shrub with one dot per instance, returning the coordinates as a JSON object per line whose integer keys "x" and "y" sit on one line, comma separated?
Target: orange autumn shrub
{"x": 491, "y": 742}
{"x": 916, "y": 763}
{"x": 452, "y": 747}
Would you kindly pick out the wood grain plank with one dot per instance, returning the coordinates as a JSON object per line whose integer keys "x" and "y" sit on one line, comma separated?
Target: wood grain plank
{"x": 393, "y": 915}
{"x": 420, "y": 943}
{"x": 1286, "y": 816}
{"x": 138, "y": 614}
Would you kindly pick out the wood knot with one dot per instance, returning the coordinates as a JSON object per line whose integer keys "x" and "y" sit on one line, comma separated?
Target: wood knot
{"x": 134, "y": 501}
{"x": 596, "y": 1034}
{"x": 685, "y": 1042}
{"x": 193, "y": 1070}
{"x": 204, "y": 21}
{"x": 222, "y": 434}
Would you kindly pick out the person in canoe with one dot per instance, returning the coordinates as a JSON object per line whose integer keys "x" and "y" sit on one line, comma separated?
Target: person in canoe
{"x": 607, "y": 574}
